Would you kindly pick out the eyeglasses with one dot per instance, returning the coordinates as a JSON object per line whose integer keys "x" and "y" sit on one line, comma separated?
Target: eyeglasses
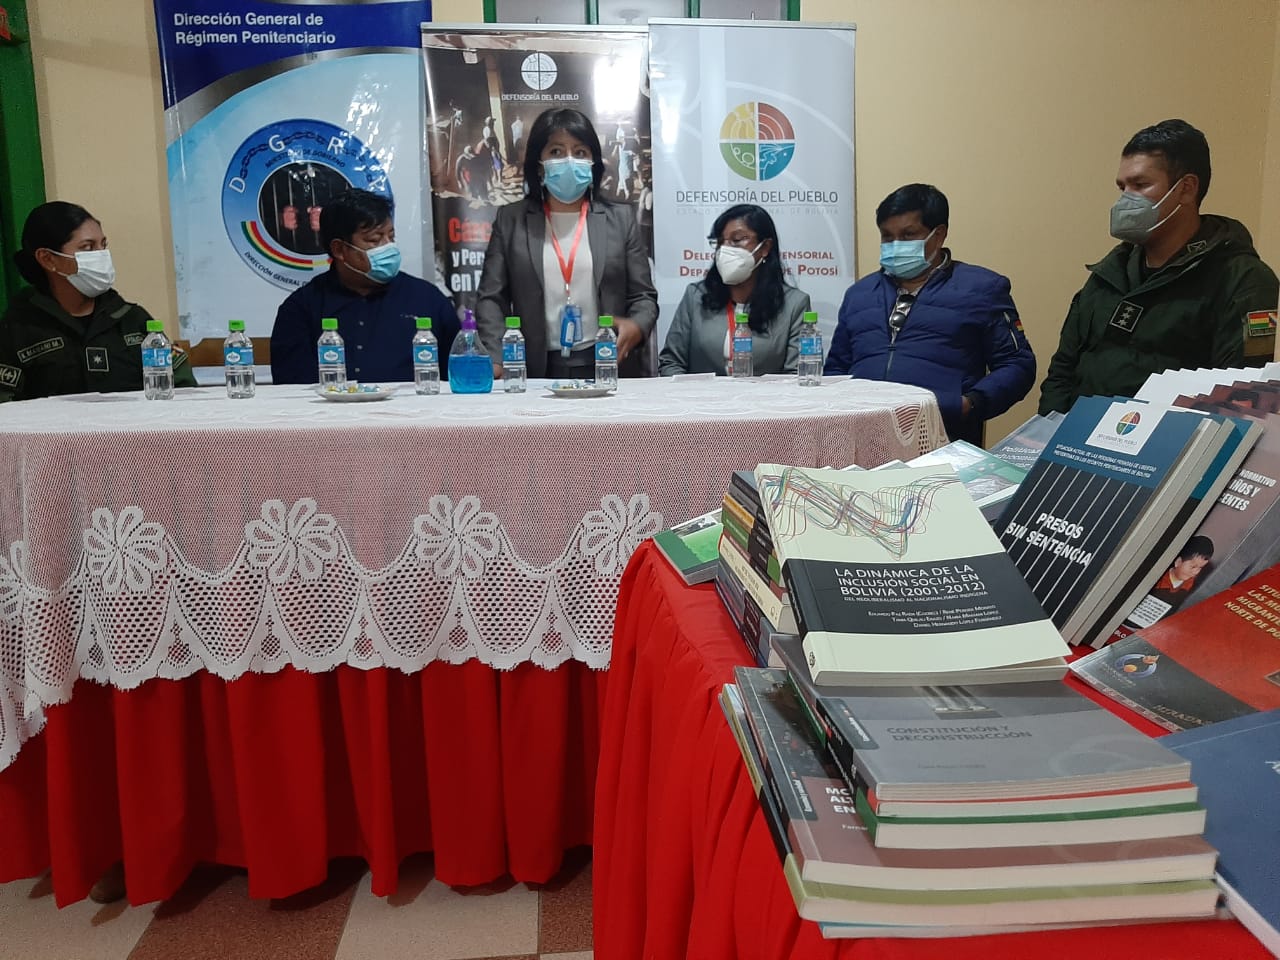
{"x": 743, "y": 243}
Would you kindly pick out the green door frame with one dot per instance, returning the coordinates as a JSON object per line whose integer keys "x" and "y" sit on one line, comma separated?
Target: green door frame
{"x": 21, "y": 165}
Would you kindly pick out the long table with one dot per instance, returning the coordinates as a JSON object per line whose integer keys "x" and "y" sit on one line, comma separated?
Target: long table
{"x": 684, "y": 865}
{"x": 269, "y": 632}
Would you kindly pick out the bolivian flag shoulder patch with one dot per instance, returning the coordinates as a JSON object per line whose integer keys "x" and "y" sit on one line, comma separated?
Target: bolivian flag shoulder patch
{"x": 1260, "y": 323}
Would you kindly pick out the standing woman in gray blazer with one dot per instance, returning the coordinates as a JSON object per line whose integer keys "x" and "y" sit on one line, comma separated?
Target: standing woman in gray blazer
{"x": 746, "y": 275}
{"x": 564, "y": 256}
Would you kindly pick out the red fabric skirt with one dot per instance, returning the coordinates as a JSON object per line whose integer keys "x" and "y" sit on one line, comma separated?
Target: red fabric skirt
{"x": 493, "y": 772}
{"x": 684, "y": 863}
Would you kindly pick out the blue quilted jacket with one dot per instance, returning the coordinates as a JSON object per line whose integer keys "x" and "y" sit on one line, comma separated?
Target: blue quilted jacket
{"x": 962, "y": 336}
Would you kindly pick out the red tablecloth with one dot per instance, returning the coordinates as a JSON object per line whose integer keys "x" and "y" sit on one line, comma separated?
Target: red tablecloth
{"x": 493, "y": 771}
{"x": 684, "y": 865}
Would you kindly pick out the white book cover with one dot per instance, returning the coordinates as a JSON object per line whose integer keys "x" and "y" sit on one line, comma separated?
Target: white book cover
{"x": 898, "y": 572}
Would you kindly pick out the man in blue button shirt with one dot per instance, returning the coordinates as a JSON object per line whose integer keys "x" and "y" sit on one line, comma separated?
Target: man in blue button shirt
{"x": 375, "y": 304}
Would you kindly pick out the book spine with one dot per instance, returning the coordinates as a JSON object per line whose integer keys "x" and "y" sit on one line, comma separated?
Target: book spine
{"x": 807, "y": 615}
{"x": 840, "y": 748}
{"x": 743, "y": 491}
{"x": 776, "y": 608}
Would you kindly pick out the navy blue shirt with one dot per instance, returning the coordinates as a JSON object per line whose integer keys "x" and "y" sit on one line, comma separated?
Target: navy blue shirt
{"x": 377, "y": 330}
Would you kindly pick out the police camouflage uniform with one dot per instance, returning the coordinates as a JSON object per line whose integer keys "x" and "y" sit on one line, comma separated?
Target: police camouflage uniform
{"x": 44, "y": 351}
{"x": 1192, "y": 312}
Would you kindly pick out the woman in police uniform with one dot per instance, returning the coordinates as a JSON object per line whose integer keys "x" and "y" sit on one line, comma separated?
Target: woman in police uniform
{"x": 70, "y": 332}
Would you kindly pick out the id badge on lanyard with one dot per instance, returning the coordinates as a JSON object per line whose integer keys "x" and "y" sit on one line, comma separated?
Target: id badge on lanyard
{"x": 570, "y": 327}
{"x": 571, "y": 313}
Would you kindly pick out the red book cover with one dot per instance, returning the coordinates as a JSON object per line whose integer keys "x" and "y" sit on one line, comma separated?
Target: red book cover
{"x": 1216, "y": 660}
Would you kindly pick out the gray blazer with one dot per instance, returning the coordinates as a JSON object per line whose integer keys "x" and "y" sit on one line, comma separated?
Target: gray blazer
{"x": 511, "y": 282}
{"x": 695, "y": 342}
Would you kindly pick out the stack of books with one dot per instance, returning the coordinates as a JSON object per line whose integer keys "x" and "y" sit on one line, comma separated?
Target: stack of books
{"x": 748, "y": 578}
{"x": 951, "y": 811}
{"x": 1112, "y": 500}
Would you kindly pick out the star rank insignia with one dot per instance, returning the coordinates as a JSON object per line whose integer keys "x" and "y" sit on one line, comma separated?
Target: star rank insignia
{"x": 1126, "y": 316}
{"x": 96, "y": 359}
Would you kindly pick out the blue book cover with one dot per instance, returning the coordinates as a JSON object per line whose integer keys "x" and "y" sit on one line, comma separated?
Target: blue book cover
{"x": 1236, "y": 765}
{"x": 1167, "y": 543}
{"x": 1094, "y": 483}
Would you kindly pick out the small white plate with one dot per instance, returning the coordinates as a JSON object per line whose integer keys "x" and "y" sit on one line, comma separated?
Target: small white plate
{"x": 364, "y": 393}
{"x": 578, "y": 388}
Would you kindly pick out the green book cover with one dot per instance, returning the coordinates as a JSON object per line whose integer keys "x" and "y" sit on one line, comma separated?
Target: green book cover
{"x": 693, "y": 547}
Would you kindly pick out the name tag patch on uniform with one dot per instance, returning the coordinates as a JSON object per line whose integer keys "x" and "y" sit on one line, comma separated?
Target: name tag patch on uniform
{"x": 1260, "y": 323}
{"x": 27, "y": 354}
{"x": 134, "y": 339}
{"x": 9, "y": 375}
{"x": 96, "y": 359}
{"x": 1126, "y": 316}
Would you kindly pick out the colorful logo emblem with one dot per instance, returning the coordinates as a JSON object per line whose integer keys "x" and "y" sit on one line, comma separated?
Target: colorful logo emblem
{"x": 538, "y": 71}
{"x": 1135, "y": 665}
{"x": 757, "y": 140}
{"x": 276, "y": 184}
{"x": 1128, "y": 423}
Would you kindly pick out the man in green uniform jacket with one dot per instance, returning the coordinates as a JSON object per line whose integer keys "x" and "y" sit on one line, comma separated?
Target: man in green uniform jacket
{"x": 1181, "y": 288}
{"x": 44, "y": 351}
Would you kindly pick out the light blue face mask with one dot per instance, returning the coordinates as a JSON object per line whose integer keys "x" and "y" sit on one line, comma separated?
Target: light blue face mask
{"x": 905, "y": 259}
{"x": 384, "y": 262}
{"x": 567, "y": 178}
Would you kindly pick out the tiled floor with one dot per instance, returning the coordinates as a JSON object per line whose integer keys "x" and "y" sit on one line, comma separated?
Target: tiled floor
{"x": 212, "y": 918}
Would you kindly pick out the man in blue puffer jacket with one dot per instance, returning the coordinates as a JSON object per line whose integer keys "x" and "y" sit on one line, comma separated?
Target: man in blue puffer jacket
{"x": 930, "y": 321}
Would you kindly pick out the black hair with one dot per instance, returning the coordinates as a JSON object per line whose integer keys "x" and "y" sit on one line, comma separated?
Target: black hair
{"x": 1181, "y": 146}
{"x": 1197, "y": 546}
{"x": 48, "y": 226}
{"x": 924, "y": 197}
{"x": 350, "y": 211}
{"x": 572, "y": 122}
{"x": 771, "y": 284}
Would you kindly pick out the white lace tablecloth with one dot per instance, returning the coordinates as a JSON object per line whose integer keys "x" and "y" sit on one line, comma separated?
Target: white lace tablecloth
{"x": 146, "y": 539}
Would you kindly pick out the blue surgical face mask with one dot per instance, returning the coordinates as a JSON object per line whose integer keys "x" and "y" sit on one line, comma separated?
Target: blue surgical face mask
{"x": 384, "y": 262}
{"x": 567, "y": 178}
{"x": 905, "y": 259}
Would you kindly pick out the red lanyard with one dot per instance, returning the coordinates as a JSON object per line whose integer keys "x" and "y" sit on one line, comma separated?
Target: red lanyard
{"x": 728, "y": 310}
{"x": 566, "y": 269}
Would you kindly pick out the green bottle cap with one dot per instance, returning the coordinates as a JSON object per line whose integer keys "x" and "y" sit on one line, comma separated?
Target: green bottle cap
{"x": 236, "y": 326}
{"x": 329, "y": 323}
{"x": 810, "y": 316}
{"x": 606, "y": 321}
{"x": 155, "y": 326}
{"x": 424, "y": 323}
{"x": 739, "y": 318}
{"x": 513, "y": 323}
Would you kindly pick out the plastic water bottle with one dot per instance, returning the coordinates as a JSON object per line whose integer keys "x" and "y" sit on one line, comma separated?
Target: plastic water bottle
{"x": 809, "y": 370}
{"x": 513, "y": 369}
{"x": 470, "y": 367}
{"x": 237, "y": 359}
{"x": 157, "y": 363}
{"x": 426, "y": 358}
{"x": 741, "y": 347}
{"x": 607, "y": 355}
{"x": 332, "y": 355}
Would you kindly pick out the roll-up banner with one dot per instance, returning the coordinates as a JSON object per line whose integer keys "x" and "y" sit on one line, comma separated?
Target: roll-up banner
{"x": 754, "y": 112}
{"x": 271, "y": 107}
{"x": 486, "y": 85}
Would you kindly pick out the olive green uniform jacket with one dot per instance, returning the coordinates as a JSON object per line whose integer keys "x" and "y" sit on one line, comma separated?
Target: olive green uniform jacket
{"x": 1192, "y": 312}
{"x": 44, "y": 351}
